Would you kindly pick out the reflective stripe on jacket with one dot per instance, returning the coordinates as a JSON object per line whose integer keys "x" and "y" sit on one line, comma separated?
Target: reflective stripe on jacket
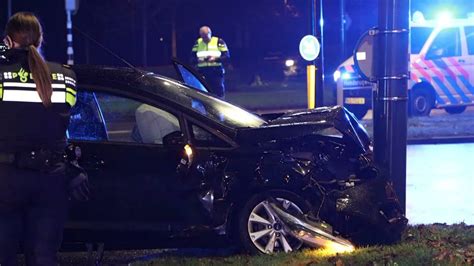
{"x": 215, "y": 48}
{"x": 25, "y": 122}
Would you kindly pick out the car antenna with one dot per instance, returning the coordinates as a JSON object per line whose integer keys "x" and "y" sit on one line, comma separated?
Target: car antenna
{"x": 87, "y": 36}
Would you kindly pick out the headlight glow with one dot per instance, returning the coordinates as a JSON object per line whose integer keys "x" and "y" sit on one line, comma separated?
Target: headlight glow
{"x": 188, "y": 150}
{"x": 289, "y": 62}
{"x": 334, "y": 247}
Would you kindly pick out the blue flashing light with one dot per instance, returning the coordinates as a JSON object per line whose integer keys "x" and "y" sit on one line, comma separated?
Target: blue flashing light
{"x": 445, "y": 16}
{"x": 346, "y": 76}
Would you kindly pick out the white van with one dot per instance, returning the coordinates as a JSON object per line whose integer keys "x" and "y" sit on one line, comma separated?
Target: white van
{"x": 442, "y": 70}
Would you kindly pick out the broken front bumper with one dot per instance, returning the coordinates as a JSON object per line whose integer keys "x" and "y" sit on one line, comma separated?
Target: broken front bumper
{"x": 373, "y": 206}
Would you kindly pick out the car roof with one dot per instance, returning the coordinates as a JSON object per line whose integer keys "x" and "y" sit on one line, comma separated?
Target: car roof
{"x": 121, "y": 77}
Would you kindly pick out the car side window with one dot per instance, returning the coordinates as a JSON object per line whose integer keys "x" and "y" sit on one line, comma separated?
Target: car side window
{"x": 446, "y": 44}
{"x": 86, "y": 122}
{"x": 128, "y": 120}
{"x": 204, "y": 138}
{"x": 470, "y": 39}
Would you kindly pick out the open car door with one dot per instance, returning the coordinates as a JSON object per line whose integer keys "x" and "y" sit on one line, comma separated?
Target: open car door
{"x": 190, "y": 76}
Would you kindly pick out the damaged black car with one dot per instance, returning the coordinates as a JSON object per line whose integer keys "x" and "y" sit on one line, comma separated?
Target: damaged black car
{"x": 166, "y": 160}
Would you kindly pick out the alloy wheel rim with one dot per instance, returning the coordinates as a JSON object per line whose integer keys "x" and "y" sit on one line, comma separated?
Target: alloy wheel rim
{"x": 267, "y": 233}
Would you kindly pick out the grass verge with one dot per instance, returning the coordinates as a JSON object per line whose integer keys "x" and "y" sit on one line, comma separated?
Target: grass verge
{"x": 422, "y": 245}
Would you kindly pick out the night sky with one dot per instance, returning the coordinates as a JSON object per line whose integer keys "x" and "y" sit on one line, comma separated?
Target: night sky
{"x": 253, "y": 29}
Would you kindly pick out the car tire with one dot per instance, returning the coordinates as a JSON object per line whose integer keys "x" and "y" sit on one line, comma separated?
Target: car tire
{"x": 455, "y": 109}
{"x": 421, "y": 102}
{"x": 358, "y": 110}
{"x": 258, "y": 234}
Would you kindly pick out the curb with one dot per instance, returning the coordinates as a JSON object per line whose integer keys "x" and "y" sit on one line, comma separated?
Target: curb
{"x": 441, "y": 140}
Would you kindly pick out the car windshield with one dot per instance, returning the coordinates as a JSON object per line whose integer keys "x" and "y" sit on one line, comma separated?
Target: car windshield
{"x": 203, "y": 103}
{"x": 419, "y": 35}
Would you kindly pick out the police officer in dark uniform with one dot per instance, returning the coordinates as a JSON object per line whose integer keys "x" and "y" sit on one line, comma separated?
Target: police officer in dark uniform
{"x": 35, "y": 102}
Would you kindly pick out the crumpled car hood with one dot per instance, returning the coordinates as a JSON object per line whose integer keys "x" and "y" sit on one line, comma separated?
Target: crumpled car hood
{"x": 322, "y": 115}
{"x": 294, "y": 124}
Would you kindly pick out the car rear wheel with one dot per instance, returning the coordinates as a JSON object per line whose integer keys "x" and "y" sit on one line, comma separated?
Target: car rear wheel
{"x": 455, "y": 109}
{"x": 262, "y": 233}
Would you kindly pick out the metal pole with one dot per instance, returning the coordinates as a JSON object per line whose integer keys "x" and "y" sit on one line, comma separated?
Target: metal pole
{"x": 313, "y": 17}
{"x": 320, "y": 60}
{"x": 343, "y": 30}
{"x": 9, "y": 9}
{"x": 390, "y": 97}
{"x": 70, "y": 49}
{"x": 145, "y": 34}
{"x": 174, "y": 48}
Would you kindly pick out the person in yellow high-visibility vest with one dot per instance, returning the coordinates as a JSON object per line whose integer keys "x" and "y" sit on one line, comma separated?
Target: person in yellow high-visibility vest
{"x": 208, "y": 54}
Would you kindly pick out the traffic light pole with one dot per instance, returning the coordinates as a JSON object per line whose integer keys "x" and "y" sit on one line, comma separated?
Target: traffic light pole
{"x": 391, "y": 95}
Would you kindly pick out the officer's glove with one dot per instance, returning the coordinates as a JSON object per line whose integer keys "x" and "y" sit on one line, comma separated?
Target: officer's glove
{"x": 78, "y": 183}
{"x": 78, "y": 180}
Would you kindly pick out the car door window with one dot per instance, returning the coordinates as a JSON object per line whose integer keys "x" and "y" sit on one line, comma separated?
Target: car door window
{"x": 470, "y": 39}
{"x": 86, "y": 122}
{"x": 204, "y": 138}
{"x": 446, "y": 44}
{"x": 128, "y": 120}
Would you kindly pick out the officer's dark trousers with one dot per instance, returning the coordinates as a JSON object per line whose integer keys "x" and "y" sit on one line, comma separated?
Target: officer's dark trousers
{"x": 33, "y": 208}
{"x": 215, "y": 78}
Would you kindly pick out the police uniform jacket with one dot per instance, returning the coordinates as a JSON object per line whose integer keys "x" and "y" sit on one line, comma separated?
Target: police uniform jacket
{"x": 25, "y": 123}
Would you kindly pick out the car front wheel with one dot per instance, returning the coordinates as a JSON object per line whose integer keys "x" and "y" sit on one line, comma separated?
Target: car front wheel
{"x": 421, "y": 102}
{"x": 260, "y": 232}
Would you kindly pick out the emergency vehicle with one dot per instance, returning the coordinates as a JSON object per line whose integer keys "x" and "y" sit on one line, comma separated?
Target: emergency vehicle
{"x": 441, "y": 69}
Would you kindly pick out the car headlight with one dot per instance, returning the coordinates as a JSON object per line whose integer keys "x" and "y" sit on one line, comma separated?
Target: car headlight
{"x": 337, "y": 75}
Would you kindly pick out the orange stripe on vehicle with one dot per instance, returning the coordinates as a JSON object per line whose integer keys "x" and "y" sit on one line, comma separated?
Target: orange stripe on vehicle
{"x": 435, "y": 70}
{"x": 459, "y": 67}
{"x": 422, "y": 71}
{"x": 449, "y": 70}
{"x": 350, "y": 68}
{"x": 414, "y": 77}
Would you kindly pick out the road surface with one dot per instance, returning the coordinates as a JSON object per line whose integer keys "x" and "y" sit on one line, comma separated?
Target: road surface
{"x": 440, "y": 183}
